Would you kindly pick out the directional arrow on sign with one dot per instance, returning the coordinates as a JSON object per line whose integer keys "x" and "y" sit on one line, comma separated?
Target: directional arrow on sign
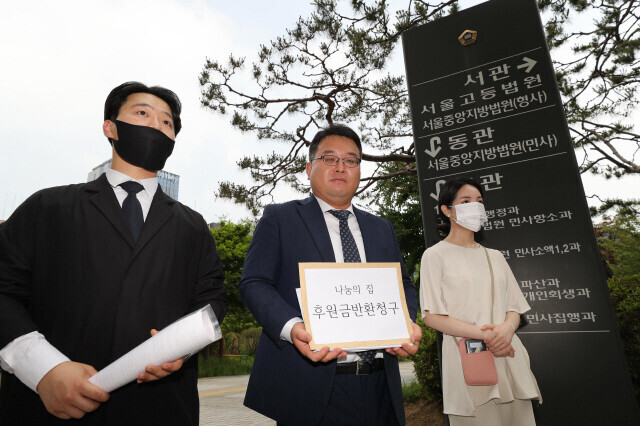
{"x": 528, "y": 64}
{"x": 437, "y": 194}
{"x": 433, "y": 150}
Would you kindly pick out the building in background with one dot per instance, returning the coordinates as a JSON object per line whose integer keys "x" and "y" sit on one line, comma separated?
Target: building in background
{"x": 168, "y": 181}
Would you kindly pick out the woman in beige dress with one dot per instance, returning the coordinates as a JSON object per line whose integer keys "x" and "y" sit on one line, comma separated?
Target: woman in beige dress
{"x": 455, "y": 297}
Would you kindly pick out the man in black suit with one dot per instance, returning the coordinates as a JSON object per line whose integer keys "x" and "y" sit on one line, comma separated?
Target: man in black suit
{"x": 289, "y": 382}
{"x": 88, "y": 270}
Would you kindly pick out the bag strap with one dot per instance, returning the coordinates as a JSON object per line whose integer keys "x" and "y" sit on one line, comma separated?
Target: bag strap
{"x": 486, "y": 252}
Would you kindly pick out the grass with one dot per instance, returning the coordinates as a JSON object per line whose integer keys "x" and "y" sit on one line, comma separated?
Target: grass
{"x": 222, "y": 366}
{"x": 412, "y": 392}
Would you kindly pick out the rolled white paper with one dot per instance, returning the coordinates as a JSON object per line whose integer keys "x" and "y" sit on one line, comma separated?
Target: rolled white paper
{"x": 183, "y": 337}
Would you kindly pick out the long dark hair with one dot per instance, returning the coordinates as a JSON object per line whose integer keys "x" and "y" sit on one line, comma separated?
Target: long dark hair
{"x": 448, "y": 193}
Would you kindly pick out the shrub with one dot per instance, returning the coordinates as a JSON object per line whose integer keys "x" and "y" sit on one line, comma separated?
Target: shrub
{"x": 237, "y": 320}
{"x": 214, "y": 349}
{"x": 222, "y": 366}
{"x": 412, "y": 392}
{"x": 625, "y": 296}
{"x": 426, "y": 363}
{"x": 249, "y": 340}
{"x": 231, "y": 343}
{"x": 619, "y": 241}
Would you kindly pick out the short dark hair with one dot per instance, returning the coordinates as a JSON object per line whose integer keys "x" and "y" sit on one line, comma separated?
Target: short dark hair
{"x": 334, "y": 130}
{"x": 448, "y": 193}
{"x": 119, "y": 95}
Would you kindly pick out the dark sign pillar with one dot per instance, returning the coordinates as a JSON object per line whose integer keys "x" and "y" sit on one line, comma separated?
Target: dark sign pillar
{"x": 485, "y": 104}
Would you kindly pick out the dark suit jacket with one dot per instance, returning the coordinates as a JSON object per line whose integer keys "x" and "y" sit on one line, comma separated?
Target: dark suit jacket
{"x": 284, "y": 385}
{"x": 70, "y": 269}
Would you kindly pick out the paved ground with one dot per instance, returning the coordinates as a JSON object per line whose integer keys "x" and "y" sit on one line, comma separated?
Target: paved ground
{"x": 221, "y": 402}
{"x": 221, "y": 399}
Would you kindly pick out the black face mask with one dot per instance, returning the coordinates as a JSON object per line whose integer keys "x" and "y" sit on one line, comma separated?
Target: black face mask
{"x": 142, "y": 146}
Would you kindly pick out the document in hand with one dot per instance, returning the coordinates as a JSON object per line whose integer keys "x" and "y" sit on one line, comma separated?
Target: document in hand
{"x": 183, "y": 337}
{"x": 354, "y": 306}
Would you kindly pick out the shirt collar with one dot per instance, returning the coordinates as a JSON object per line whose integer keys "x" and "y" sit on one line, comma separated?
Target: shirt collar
{"x": 115, "y": 178}
{"x": 327, "y": 207}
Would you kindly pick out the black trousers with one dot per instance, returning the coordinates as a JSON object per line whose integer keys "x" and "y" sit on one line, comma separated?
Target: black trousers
{"x": 360, "y": 400}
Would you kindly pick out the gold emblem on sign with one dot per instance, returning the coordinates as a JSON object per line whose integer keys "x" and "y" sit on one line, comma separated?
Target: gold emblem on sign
{"x": 468, "y": 37}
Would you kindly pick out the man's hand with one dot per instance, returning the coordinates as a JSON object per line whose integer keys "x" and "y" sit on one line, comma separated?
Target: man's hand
{"x": 301, "y": 339}
{"x": 156, "y": 372}
{"x": 499, "y": 337}
{"x": 406, "y": 349}
{"x": 67, "y": 393}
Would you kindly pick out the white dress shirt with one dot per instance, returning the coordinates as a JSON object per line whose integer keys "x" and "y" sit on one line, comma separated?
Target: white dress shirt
{"x": 333, "y": 226}
{"x": 30, "y": 356}
{"x": 145, "y": 196}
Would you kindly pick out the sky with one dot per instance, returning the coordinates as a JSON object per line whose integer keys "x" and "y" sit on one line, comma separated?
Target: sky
{"x": 59, "y": 60}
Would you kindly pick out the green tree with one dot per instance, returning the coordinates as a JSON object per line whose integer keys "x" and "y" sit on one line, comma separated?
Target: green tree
{"x": 232, "y": 241}
{"x": 598, "y": 75}
{"x": 619, "y": 240}
{"x": 398, "y": 201}
{"x": 333, "y": 66}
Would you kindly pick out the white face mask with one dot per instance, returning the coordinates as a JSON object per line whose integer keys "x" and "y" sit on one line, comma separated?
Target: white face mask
{"x": 470, "y": 215}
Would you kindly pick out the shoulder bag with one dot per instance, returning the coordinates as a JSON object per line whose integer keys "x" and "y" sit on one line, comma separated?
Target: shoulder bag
{"x": 479, "y": 368}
